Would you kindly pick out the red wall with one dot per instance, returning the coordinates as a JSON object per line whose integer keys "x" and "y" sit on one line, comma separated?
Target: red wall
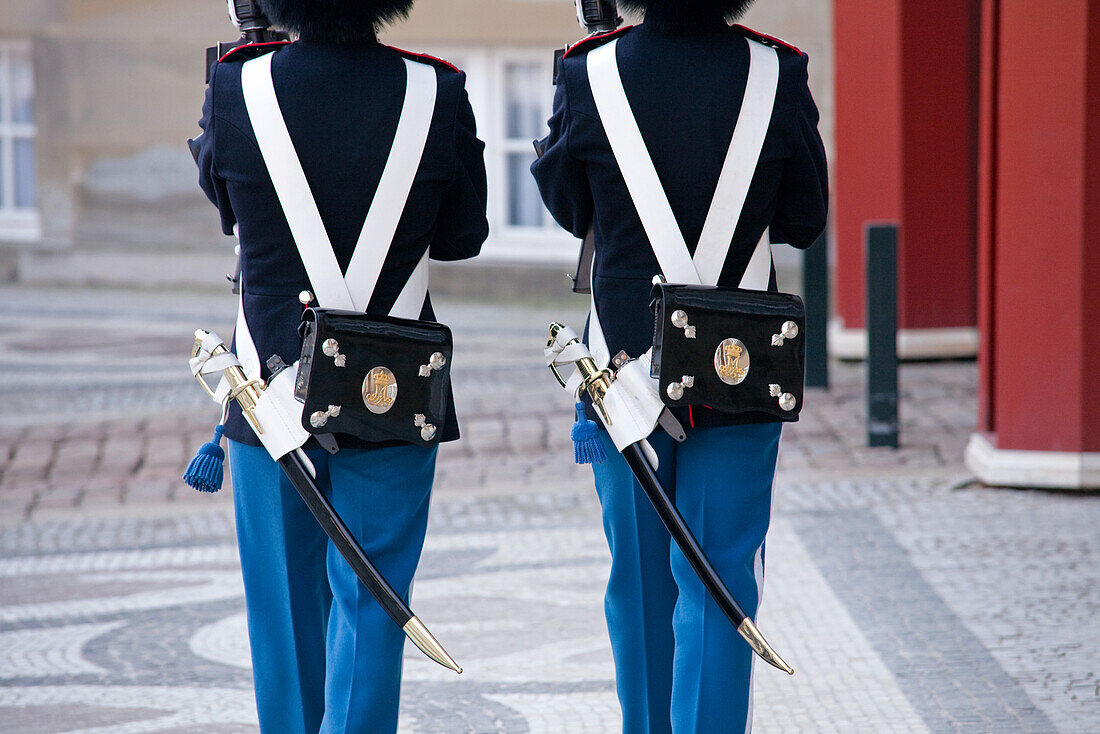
{"x": 1090, "y": 247}
{"x": 906, "y": 106}
{"x": 1044, "y": 273}
{"x": 937, "y": 269}
{"x": 987, "y": 197}
{"x": 867, "y": 171}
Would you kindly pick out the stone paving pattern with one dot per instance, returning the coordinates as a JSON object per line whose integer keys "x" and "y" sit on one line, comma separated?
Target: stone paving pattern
{"x": 908, "y": 598}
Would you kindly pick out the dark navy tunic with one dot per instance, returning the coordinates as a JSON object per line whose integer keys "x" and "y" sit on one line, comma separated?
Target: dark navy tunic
{"x": 341, "y": 104}
{"x": 685, "y": 92}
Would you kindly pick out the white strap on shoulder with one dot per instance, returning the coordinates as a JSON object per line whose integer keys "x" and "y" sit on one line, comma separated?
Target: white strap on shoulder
{"x": 291, "y": 186}
{"x": 396, "y": 183}
{"x": 333, "y": 288}
{"x": 637, "y": 167}
{"x": 644, "y": 184}
{"x": 753, "y": 122}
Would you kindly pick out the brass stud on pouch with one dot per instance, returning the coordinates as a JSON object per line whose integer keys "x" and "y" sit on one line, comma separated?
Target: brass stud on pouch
{"x": 427, "y": 430}
{"x": 675, "y": 390}
{"x": 436, "y": 362}
{"x": 305, "y": 298}
{"x": 331, "y": 348}
{"x": 789, "y": 330}
{"x": 320, "y": 418}
{"x": 680, "y": 321}
{"x": 786, "y": 401}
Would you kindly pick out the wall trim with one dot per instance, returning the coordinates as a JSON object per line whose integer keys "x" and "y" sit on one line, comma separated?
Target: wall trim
{"x": 1038, "y": 469}
{"x": 950, "y": 343}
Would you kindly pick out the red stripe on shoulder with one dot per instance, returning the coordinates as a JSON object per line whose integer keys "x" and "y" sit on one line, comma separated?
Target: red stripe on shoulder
{"x": 598, "y": 37}
{"x": 251, "y": 46}
{"x": 427, "y": 57}
{"x": 769, "y": 40}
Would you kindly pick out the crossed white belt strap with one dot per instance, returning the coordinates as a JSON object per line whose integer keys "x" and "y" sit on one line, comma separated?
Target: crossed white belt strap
{"x": 658, "y": 220}
{"x": 676, "y": 261}
{"x": 333, "y": 289}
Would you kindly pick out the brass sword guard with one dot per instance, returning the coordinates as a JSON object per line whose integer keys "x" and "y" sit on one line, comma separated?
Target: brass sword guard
{"x": 595, "y": 381}
{"x": 245, "y": 391}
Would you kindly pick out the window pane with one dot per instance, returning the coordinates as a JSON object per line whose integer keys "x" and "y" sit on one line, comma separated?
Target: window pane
{"x": 524, "y": 203}
{"x": 5, "y": 65}
{"x": 525, "y": 87}
{"x": 26, "y": 185}
{"x": 22, "y": 87}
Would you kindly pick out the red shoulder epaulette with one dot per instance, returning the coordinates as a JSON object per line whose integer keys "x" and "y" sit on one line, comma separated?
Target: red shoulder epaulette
{"x": 248, "y": 50}
{"x": 587, "y": 42}
{"x": 767, "y": 40}
{"x": 415, "y": 56}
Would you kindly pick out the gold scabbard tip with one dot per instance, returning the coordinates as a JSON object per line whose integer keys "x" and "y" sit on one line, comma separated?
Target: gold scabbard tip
{"x": 756, "y": 640}
{"x": 416, "y": 631}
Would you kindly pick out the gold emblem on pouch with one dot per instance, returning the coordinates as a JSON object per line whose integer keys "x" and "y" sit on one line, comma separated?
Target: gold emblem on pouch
{"x": 379, "y": 390}
{"x": 731, "y": 361}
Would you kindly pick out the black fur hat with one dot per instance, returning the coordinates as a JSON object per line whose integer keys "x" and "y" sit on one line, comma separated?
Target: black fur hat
{"x": 687, "y": 14}
{"x": 334, "y": 20}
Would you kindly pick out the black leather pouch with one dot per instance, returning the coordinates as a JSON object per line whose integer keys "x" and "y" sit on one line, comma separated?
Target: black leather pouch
{"x": 728, "y": 349}
{"x": 377, "y": 378}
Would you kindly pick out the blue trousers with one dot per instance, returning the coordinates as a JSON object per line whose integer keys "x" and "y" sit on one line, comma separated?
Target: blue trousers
{"x": 680, "y": 665}
{"x": 325, "y": 656}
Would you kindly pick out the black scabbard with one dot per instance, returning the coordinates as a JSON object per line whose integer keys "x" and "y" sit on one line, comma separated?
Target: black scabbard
{"x": 682, "y": 534}
{"x": 344, "y": 541}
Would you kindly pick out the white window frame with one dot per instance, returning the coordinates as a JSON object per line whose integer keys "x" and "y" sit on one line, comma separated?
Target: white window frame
{"x": 485, "y": 69}
{"x": 16, "y": 223}
{"x": 533, "y": 241}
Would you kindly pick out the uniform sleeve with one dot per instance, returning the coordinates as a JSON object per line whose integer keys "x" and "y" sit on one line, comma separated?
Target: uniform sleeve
{"x": 802, "y": 202}
{"x": 561, "y": 178}
{"x": 462, "y": 225}
{"x": 202, "y": 148}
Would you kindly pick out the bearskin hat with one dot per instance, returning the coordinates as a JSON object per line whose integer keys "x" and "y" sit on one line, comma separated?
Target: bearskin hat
{"x": 334, "y": 20}
{"x": 687, "y": 14}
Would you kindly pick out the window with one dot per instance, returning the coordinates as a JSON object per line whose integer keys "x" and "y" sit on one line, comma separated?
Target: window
{"x": 18, "y": 182}
{"x": 512, "y": 95}
{"x": 526, "y": 106}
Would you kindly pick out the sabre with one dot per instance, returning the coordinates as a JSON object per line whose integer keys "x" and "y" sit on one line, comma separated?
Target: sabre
{"x": 597, "y": 383}
{"x": 298, "y": 468}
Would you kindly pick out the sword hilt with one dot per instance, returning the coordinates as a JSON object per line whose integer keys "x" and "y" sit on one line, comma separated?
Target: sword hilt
{"x": 244, "y": 390}
{"x": 594, "y": 380}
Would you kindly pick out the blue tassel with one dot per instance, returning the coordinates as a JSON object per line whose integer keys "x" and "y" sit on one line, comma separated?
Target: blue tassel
{"x": 205, "y": 473}
{"x": 587, "y": 448}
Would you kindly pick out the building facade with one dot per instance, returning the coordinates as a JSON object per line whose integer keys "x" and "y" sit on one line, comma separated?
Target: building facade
{"x": 97, "y": 98}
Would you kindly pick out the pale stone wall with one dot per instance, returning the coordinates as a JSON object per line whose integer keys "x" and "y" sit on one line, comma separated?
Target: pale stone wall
{"x": 119, "y": 88}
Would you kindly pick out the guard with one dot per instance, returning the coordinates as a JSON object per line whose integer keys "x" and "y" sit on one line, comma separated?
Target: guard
{"x": 343, "y": 165}
{"x": 687, "y": 146}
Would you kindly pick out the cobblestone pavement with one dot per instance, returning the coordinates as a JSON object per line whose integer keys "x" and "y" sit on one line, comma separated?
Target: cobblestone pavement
{"x": 908, "y": 598}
